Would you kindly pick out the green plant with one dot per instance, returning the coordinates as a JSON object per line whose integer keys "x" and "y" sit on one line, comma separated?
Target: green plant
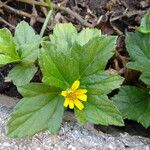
{"x": 133, "y": 102}
{"x": 73, "y": 67}
{"x": 22, "y": 49}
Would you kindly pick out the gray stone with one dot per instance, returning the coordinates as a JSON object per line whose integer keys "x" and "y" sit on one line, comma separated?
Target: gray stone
{"x": 71, "y": 137}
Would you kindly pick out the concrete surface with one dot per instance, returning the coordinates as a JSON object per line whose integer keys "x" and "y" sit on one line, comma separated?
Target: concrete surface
{"x": 70, "y": 137}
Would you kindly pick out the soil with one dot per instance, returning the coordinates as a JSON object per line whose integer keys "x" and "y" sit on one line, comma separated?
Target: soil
{"x": 113, "y": 17}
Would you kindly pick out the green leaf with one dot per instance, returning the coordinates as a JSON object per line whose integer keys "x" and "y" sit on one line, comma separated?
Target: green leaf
{"x": 145, "y": 24}
{"x": 24, "y": 33}
{"x": 138, "y": 46}
{"x": 86, "y": 35}
{"x": 64, "y": 36}
{"x": 33, "y": 89}
{"x": 51, "y": 74}
{"x": 54, "y": 122}
{"x": 7, "y": 44}
{"x": 145, "y": 77}
{"x": 28, "y": 42}
{"x": 134, "y": 103}
{"x": 67, "y": 66}
{"x": 102, "y": 82}
{"x": 5, "y": 59}
{"x": 100, "y": 110}
{"x": 76, "y": 61}
{"x": 30, "y": 52}
{"x": 35, "y": 112}
{"x": 95, "y": 54}
{"x": 22, "y": 74}
{"x": 81, "y": 117}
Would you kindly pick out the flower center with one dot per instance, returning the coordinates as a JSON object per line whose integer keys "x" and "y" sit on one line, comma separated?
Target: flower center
{"x": 71, "y": 95}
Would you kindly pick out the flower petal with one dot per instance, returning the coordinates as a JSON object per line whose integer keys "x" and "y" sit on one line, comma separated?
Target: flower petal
{"x": 81, "y": 91}
{"x": 64, "y": 93}
{"x": 75, "y": 85}
{"x": 71, "y": 104}
{"x": 82, "y": 97}
{"x": 66, "y": 103}
{"x": 78, "y": 104}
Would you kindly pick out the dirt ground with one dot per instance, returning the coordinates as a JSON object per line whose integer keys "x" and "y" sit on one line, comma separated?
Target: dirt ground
{"x": 113, "y": 17}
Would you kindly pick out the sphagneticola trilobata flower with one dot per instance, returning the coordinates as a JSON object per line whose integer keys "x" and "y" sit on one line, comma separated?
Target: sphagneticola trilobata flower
{"x": 74, "y": 96}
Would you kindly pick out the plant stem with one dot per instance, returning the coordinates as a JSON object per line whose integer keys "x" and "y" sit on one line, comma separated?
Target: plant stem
{"x": 46, "y": 23}
{"x": 49, "y": 3}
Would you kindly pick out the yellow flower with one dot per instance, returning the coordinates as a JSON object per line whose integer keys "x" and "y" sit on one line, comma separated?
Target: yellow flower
{"x": 74, "y": 95}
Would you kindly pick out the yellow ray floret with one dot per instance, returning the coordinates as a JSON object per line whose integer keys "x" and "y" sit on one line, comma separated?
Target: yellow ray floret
{"x": 74, "y": 96}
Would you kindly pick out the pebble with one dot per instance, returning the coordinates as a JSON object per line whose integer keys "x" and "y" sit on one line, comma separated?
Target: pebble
{"x": 5, "y": 144}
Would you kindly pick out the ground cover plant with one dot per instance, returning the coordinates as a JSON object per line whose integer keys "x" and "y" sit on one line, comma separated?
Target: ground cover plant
{"x": 75, "y": 67}
{"x": 134, "y": 102}
{"x": 73, "y": 77}
{"x": 21, "y": 49}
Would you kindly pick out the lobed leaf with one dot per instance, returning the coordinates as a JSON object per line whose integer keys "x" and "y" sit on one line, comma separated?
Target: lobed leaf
{"x": 102, "y": 82}
{"x": 5, "y": 59}
{"x": 34, "y": 89}
{"x": 51, "y": 73}
{"x": 7, "y": 44}
{"x": 86, "y": 35}
{"x": 81, "y": 117}
{"x": 23, "y": 49}
{"x": 54, "y": 122}
{"x": 27, "y": 41}
{"x": 134, "y": 104}
{"x": 64, "y": 36}
{"x": 67, "y": 66}
{"x": 22, "y": 74}
{"x": 35, "y": 112}
{"x": 100, "y": 110}
{"x": 94, "y": 55}
{"x": 138, "y": 47}
{"x": 24, "y": 33}
{"x": 145, "y": 24}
